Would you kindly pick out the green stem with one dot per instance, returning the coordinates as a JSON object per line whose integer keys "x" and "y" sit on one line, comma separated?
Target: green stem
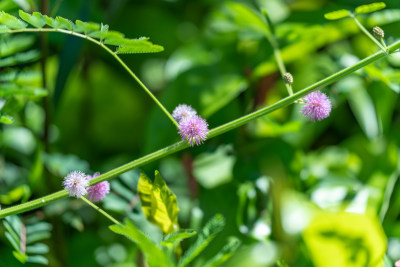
{"x": 279, "y": 60}
{"x": 100, "y": 210}
{"x": 367, "y": 33}
{"x": 214, "y": 132}
{"x": 109, "y": 51}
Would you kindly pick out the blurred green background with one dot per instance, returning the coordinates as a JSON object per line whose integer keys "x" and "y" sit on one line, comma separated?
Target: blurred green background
{"x": 278, "y": 180}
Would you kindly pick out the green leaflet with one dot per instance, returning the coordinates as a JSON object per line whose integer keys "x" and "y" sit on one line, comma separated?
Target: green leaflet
{"x": 94, "y": 30}
{"x": 6, "y": 119}
{"x": 207, "y": 234}
{"x": 11, "y": 21}
{"x": 15, "y": 44}
{"x": 36, "y": 19}
{"x": 27, "y": 250}
{"x": 20, "y": 58}
{"x": 225, "y": 253}
{"x": 86, "y": 27}
{"x": 154, "y": 255}
{"x": 158, "y": 203}
{"x": 338, "y": 14}
{"x": 65, "y": 23}
{"x": 141, "y": 46}
{"x": 177, "y": 236}
{"x": 370, "y": 7}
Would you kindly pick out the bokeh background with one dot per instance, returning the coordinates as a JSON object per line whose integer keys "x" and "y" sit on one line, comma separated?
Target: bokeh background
{"x": 278, "y": 180}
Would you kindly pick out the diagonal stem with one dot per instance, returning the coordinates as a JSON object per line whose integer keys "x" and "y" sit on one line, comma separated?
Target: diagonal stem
{"x": 214, "y": 132}
{"x": 109, "y": 51}
{"x": 363, "y": 29}
{"x": 100, "y": 210}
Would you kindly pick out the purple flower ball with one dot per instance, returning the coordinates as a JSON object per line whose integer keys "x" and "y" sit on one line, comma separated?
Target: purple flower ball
{"x": 76, "y": 183}
{"x": 317, "y": 106}
{"x": 183, "y": 111}
{"x": 98, "y": 191}
{"x": 193, "y": 129}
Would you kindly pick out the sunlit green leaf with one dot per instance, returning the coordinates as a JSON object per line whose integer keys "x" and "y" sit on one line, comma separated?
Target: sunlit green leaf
{"x": 158, "y": 203}
{"x": 345, "y": 239}
{"x": 6, "y": 119}
{"x": 338, "y": 14}
{"x": 18, "y": 193}
{"x": 370, "y": 7}
{"x": 36, "y": 19}
{"x": 11, "y": 21}
{"x": 154, "y": 255}
{"x": 207, "y": 234}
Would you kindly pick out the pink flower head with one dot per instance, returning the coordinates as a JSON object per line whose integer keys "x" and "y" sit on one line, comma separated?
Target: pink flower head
{"x": 397, "y": 264}
{"x": 193, "y": 129}
{"x": 317, "y": 106}
{"x": 98, "y": 191}
{"x": 183, "y": 111}
{"x": 75, "y": 183}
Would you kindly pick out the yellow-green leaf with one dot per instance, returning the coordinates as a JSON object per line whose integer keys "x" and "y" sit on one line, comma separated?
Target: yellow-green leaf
{"x": 338, "y": 14}
{"x": 345, "y": 239}
{"x": 159, "y": 204}
{"x": 370, "y": 7}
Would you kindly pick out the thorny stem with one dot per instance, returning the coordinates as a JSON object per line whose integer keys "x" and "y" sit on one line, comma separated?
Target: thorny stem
{"x": 109, "y": 51}
{"x": 214, "y": 132}
{"x": 100, "y": 210}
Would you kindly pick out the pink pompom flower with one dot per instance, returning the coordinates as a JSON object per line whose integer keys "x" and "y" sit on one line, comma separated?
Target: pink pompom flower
{"x": 183, "y": 111}
{"x": 98, "y": 191}
{"x": 76, "y": 183}
{"x": 316, "y": 106}
{"x": 194, "y": 130}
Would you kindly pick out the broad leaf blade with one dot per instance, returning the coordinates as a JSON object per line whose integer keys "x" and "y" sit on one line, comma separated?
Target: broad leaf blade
{"x": 225, "y": 253}
{"x": 153, "y": 254}
{"x": 11, "y": 21}
{"x": 207, "y": 234}
{"x": 36, "y": 19}
{"x": 338, "y": 14}
{"x": 159, "y": 204}
{"x": 370, "y": 8}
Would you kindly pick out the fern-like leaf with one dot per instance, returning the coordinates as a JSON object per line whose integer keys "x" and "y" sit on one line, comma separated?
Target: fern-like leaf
{"x": 86, "y": 27}
{"x": 36, "y": 19}
{"x": 11, "y": 21}
{"x": 207, "y": 234}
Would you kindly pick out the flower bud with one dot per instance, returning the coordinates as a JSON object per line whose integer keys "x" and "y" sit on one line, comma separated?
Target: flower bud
{"x": 288, "y": 78}
{"x": 378, "y": 32}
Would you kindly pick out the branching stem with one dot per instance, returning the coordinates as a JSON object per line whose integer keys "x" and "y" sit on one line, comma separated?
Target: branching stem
{"x": 214, "y": 132}
{"x": 109, "y": 51}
